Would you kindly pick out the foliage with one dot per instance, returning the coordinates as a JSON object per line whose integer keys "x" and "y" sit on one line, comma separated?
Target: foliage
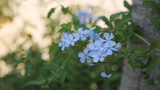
{"x": 64, "y": 70}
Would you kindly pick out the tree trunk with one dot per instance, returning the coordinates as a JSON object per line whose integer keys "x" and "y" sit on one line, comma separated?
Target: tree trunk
{"x": 133, "y": 80}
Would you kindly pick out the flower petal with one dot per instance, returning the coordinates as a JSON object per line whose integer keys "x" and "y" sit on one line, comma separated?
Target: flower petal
{"x": 111, "y": 43}
{"x": 106, "y": 35}
{"x": 82, "y": 60}
{"x": 101, "y": 59}
{"x": 104, "y": 54}
{"x": 91, "y": 28}
{"x": 92, "y": 34}
{"x": 85, "y": 32}
{"x": 83, "y": 38}
{"x": 81, "y": 55}
{"x": 91, "y": 46}
{"x": 103, "y": 74}
{"x": 63, "y": 47}
{"x": 109, "y": 52}
{"x": 88, "y": 60}
{"x": 102, "y": 40}
{"x": 72, "y": 43}
{"x": 98, "y": 42}
{"x": 111, "y": 36}
{"x": 95, "y": 60}
{"x": 93, "y": 54}
{"x": 80, "y": 30}
{"x": 106, "y": 44}
{"x": 85, "y": 50}
{"x": 77, "y": 37}
{"x": 70, "y": 36}
{"x": 60, "y": 44}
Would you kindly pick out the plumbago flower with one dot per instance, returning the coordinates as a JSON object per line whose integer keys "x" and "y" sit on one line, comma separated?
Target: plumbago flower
{"x": 84, "y": 56}
{"x": 103, "y": 74}
{"x": 83, "y": 16}
{"x": 107, "y": 36}
{"x": 96, "y": 51}
{"x": 81, "y": 34}
{"x": 100, "y": 48}
{"x": 97, "y": 56}
{"x": 90, "y": 33}
{"x": 67, "y": 40}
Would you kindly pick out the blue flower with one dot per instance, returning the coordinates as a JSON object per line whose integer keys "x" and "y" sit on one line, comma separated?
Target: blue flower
{"x": 109, "y": 47}
{"x": 72, "y": 39}
{"x": 68, "y": 39}
{"x": 91, "y": 46}
{"x": 83, "y": 16}
{"x": 117, "y": 46}
{"x": 65, "y": 43}
{"x": 97, "y": 56}
{"x": 84, "y": 56}
{"x": 107, "y": 36}
{"x": 80, "y": 34}
{"x": 103, "y": 74}
{"x": 100, "y": 45}
{"x": 90, "y": 33}
{"x": 96, "y": 36}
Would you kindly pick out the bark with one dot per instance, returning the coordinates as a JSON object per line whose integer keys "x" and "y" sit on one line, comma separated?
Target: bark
{"x": 133, "y": 80}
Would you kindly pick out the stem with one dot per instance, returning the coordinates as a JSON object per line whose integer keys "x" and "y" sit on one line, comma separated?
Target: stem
{"x": 145, "y": 41}
{"x": 59, "y": 68}
{"x": 142, "y": 38}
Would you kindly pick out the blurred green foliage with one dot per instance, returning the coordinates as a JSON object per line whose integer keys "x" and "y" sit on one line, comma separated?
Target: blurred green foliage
{"x": 72, "y": 76}
{"x": 64, "y": 71}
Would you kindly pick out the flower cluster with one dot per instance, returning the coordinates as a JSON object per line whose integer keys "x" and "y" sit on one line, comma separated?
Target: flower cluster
{"x": 68, "y": 39}
{"x": 96, "y": 50}
{"x": 99, "y": 49}
{"x": 83, "y": 16}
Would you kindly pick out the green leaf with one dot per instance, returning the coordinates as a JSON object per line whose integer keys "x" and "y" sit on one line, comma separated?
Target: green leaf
{"x": 113, "y": 17}
{"x": 155, "y": 44}
{"x": 65, "y": 27}
{"x": 105, "y": 20}
{"x": 131, "y": 62}
{"x": 155, "y": 6}
{"x": 149, "y": 60}
{"x": 140, "y": 64}
{"x": 150, "y": 81}
{"x": 31, "y": 83}
{"x": 63, "y": 74}
{"x": 64, "y": 10}
{"x": 127, "y": 5}
{"x": 153, "y": 39}
{"x": 148, "y": 54}
{"x": 62, "y": 30}
{"x": 153, "y": 63}
{"x": 149, "y": 3}
{"x": 121, "y": 22}
{"x": 53, "y": 72}
{"x": 97, "y": 29}
{"x": 50, "y": 12}
{"x": 156, "y": 23}
{"x": 145, "y": 75}
{"x": 136, "y": 42}
{"x": 52, "y": 66}
{"x": 75, "y": 20}
{"x": 47, "y": 87}
{"x": 138, "y": 30}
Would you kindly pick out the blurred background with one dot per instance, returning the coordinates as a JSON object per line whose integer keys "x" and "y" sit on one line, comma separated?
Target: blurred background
{"x": 29, "y": 45}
